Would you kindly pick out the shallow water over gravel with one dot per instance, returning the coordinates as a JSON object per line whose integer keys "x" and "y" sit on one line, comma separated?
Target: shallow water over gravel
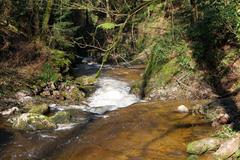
{"x": 145, "y": 131}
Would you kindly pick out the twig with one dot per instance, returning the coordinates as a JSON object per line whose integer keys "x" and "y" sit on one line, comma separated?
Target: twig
{"x": 182, "y": 84}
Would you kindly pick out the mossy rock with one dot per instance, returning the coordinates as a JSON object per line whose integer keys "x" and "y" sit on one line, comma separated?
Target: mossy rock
{"x": 136, "y": 87}
{"x": 33, "y": 121}
{"x": 227, "y": 149}
{"x": 193, "y": 157}
{"x": 73, "y": 94}
{"x": 236, "y": 155}
{"x": 37, "y": 108}
{"x": 61, "y": 117}
{"x": 162, "y": 76}
{"x": 168, "y": 71}
{"x": 201, "y": 146}
{"x": 76, "y": 94}
{"x": 86, "y": 80}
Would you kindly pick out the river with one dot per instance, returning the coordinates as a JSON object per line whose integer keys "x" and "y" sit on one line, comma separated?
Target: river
{"x": 115, "y": 125}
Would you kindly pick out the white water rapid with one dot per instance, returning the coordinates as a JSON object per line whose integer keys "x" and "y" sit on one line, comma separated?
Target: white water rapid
{"x": 111, "y": 95}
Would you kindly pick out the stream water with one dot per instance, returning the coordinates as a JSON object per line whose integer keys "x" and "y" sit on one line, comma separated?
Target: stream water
{"x": 115, "y": 125}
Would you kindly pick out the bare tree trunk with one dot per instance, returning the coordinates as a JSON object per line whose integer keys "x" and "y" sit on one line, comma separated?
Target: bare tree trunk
{"x": 7, "y": 7}
{"x": 194, "y": 10}
{"x": 47, "y": 14}
{"x": 36, "y": 17}
{"x": 108, "y": 10}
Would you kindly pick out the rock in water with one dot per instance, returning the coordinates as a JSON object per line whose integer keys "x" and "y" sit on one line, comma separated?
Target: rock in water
{"x": 23, "y": 96}
{"x": 33, "y": 121}
{"x": 193, "y": 157}
{"x": 203, "y": 145}
{"x": 39, "y": 109}
{"x": 182, "y": 109}
{"x": 86, "y": 80}
{"x": 45, "y": 94}
{"x": 228, "y": 148}
{"x": 9, "y": 111}
{"x": 61, "y": 117}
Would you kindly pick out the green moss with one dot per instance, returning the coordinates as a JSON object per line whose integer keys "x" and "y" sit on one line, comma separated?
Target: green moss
{"x": 76, "y": 94}
{"x": 163, "y": 76}
{"x": 193, "y": 157}
{"x": 136, "y": 87}
{"x": 231, "y": 55}
{"x": 236, "y": 155}
{"x": 201, "y": 146}
{"x": 226, "y": 132}
{"x": 32, "y": 121}
{"x": 39, "y": 109}
{"x": 61, "y": 117}
{"x": 168, "y": 71}
{"x": 86, "y": 80}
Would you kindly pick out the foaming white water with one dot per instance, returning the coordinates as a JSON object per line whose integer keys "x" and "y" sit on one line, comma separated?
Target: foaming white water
{"x": 65, "y": 126}
{"x": 111, "y": 95}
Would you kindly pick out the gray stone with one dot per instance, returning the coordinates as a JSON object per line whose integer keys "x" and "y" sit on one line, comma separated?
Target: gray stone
{"x": 203, "y": 145}
{"x": 9, "y": 111}
{"x": 56, "y": 94}
{"x": 227, "y": 149}
{"x": 182, "y": 109}
{"x": 45, "y": 93}
{"x": 22, "y": 94}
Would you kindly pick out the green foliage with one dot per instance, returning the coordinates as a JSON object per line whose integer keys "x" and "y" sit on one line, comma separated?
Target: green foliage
{"x": 168, "y": 71}
{"x": 59, "y": 60}
{"x": 1, "y": 92}
{"x": 217, "y": 26}
{"x": 226, "y": 132}
{"x": 167, "y": 47}
{"x": 62, "y": 31}
{"x": 185, "y": 61}
{"x": 107, "y": 26}
{"x": 49, "y": 74}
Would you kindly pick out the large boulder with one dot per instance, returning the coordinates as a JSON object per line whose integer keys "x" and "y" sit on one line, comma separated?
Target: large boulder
{"x": 37, "y": 108}
{"x": 61, "y": 117}
{"x": 86, "y": 80}
{"x": 203, "y": 145}
{"x": 227, "y": 149}
{"x": 33, "y": 121}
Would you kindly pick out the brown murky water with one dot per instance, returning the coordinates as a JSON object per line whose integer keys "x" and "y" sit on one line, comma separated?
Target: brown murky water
{"x": 130, "y": 75}
{"x": 144, "y": 131}
{"x": 147, "y": 131}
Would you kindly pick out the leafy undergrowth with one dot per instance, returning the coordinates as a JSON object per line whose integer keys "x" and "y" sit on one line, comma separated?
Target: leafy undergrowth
{"x": 226, "y": 132}
{"x": 30, "y": 63}
{"x": 11, "y": 80}
{"x": 187, "y": 57}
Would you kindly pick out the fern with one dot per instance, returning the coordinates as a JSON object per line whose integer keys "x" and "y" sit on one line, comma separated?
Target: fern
{"x": 59, "y": 59}
{"x": 107, "y": 25}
